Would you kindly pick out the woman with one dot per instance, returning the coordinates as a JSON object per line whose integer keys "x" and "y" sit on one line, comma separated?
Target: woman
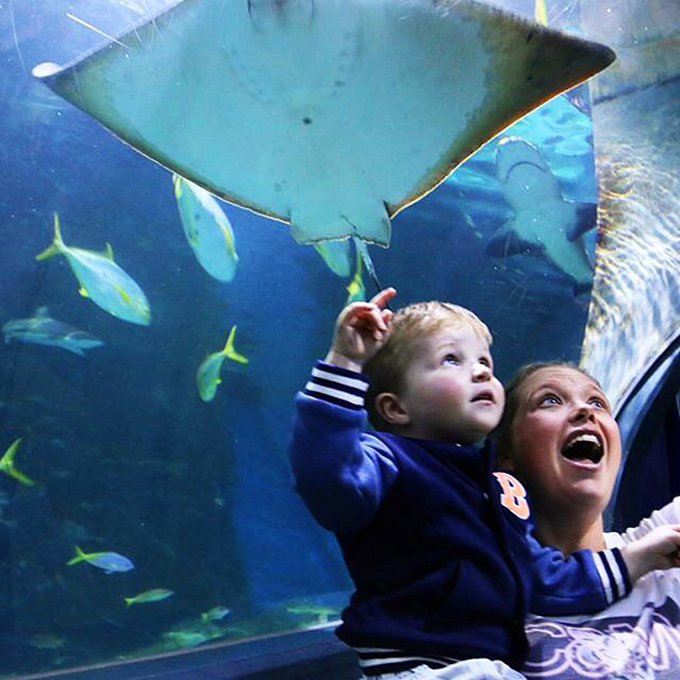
{"x": 559, "y": 437}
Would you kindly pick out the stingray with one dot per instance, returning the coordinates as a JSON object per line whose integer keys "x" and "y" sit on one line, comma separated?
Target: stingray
{"x": 330, "y": 115}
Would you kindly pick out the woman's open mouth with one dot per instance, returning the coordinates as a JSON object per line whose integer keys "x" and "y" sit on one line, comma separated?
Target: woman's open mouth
{"x": 584, "y": 448}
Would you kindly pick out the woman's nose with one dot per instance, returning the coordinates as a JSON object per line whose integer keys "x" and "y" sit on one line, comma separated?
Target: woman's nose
{"x": 582, "y": 411}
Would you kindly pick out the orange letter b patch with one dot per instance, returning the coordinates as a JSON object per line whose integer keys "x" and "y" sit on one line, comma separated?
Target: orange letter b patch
{"x": 514, "y": 497}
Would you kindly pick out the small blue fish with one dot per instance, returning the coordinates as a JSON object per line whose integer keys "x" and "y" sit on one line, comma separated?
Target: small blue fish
{"x": 110, "y": 562}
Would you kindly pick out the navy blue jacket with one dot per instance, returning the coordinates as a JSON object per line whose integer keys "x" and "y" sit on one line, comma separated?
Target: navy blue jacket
{"x": 442, "y": 570}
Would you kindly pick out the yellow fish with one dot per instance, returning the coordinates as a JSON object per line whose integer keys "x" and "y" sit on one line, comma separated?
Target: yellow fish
{"x": 208, "y": 374}
{"x": 215, "y": 614}
{"x": 7, "y": 464}
{"x": 46, "y": 641}
{"x": 356, "y": 289}
{"x": 102, "y": 280}
{"x": 320, "y": 613}
{"x": 110, "y": 562}
{"x": 154, "y": 595}
{"x": 207, "y": 229}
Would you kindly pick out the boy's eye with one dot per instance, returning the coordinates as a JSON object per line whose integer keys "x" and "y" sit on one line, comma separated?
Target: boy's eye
{"x": 451, "y": 359}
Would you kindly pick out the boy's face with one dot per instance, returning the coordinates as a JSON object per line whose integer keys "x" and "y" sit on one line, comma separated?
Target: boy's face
{"x": 450, "y": 393}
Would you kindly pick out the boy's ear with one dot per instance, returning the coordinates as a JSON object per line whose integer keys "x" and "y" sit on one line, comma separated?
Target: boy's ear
{"x": 390, "y": 408}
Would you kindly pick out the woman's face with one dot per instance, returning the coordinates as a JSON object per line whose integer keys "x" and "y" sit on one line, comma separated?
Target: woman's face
{"x": 565, "y": 442}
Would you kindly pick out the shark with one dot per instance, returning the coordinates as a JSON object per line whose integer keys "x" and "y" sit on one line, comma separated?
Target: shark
{"x": 41, "y": 329}
{"x": 328, "y": 115}
{"x": 544, "y": 222}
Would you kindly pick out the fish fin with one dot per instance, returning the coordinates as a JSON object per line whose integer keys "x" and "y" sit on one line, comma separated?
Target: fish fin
{"x": 83, "y": 292}
{"x": 229, "y": 344}
{"x": 506, "y": 241}
{"x": 229, "y": 350}
{"x": 177, "y": 184}
{"x": 586, "y": 219}
{"x": 20, "y": 477}
{"x": 108, "y": 252}
{"x": 129, "y": 601}
{"x": 7, "y": 460}
{"x": 229, "y": 239}
{"x": 57, "y": 246}
{"x": 79, "y": 557}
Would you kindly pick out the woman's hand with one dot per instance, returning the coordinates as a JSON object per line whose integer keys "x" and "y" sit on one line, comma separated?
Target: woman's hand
{"x": 659, "y": 549}
{"x": 360, "y": 330}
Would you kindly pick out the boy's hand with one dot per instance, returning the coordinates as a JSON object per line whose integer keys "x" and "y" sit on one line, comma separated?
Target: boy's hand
{"x": 659, "y": 549}
{"x": 360, "y": 330}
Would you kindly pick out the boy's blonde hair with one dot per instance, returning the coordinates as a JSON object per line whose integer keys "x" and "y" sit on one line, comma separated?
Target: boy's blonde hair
{"x": 386, "y": 370}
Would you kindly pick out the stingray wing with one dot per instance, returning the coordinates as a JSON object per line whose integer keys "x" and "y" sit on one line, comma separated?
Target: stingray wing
{"x": 332, "y": 115}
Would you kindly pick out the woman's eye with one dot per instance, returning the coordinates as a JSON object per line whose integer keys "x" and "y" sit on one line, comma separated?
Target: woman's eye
{"x": 549, "y": 400}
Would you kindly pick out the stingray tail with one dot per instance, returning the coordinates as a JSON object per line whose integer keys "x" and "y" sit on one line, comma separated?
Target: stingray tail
{"x": 362, "y": 249}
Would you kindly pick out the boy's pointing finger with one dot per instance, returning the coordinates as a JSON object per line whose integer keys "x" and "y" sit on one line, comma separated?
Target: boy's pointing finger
{"x": 383, "y": 297}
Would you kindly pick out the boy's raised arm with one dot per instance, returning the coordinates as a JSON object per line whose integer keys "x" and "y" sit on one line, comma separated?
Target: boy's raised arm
{"x": 360, "y": 330}
{"x": 342, "y": 473}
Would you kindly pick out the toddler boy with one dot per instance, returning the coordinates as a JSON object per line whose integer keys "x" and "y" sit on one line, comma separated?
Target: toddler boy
{"x": 436, "y": 544}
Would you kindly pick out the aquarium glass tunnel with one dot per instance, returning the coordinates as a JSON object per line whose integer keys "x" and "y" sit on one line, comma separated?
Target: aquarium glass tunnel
{"x": 155, "y": 336}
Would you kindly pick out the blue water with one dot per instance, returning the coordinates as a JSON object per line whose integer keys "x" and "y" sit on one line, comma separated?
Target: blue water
{"x": 126, "y": 456}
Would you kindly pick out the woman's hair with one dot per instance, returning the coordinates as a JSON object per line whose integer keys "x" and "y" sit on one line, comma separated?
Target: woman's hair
{"x": 515, "y": 396}
{"x": 386, "y": 370}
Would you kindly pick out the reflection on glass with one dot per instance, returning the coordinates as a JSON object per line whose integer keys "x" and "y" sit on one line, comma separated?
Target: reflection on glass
{"x": 635, "y": 306}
